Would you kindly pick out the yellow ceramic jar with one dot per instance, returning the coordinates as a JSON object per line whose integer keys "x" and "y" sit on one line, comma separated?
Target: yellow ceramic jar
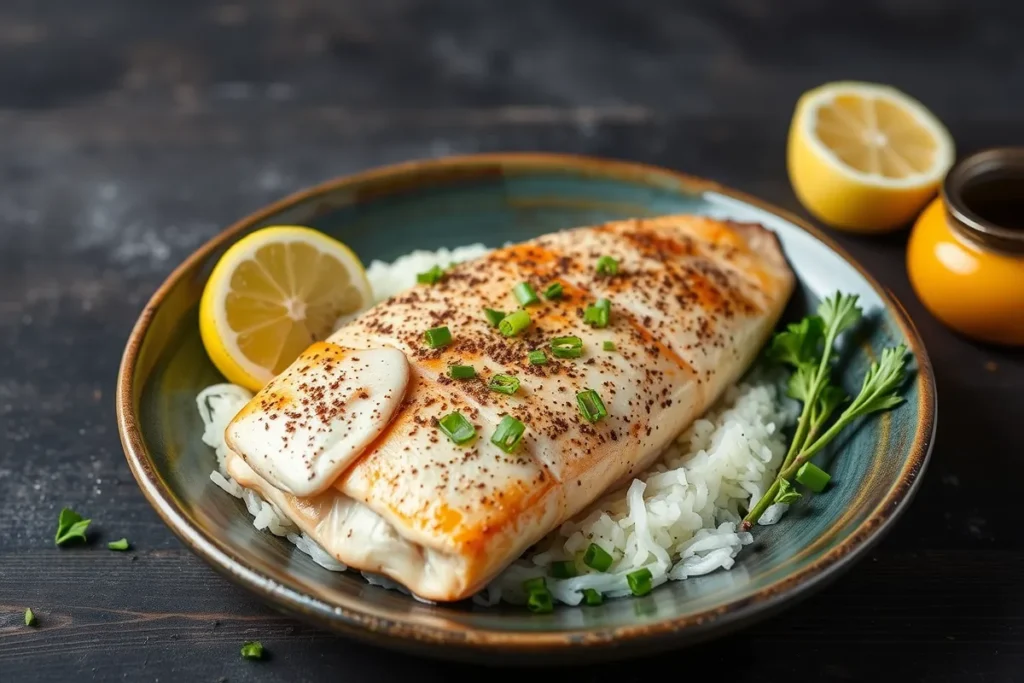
{"x": 965, "y": 257}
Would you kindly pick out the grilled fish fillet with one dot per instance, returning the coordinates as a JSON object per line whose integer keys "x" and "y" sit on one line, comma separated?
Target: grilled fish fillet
{"x": 346, "y": 442}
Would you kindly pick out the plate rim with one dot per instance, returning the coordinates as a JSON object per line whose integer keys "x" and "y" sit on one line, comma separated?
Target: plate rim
{"x": 363, "y": 624}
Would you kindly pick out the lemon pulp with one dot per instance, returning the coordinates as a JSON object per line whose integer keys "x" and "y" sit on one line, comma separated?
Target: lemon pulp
{"x": 273, "y": 294}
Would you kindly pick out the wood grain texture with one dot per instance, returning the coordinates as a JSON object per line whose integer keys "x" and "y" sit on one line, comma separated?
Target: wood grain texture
{"x": 131, "y": 132}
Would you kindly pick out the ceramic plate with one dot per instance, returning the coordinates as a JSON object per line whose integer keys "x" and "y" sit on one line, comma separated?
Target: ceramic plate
{"x": 494, "y": 199}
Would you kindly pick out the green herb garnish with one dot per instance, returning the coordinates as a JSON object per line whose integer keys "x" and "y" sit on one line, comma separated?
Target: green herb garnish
{"x": 70, "y": 526}
{"x": 537, "y": 357}
{"x": 567, "y": 347}
{"x": 563, "y": 569}
{"x": 120, "y": 544}
{"x": 525, "y": 294}
{"x": 438, "y": 337}
{"x": 462, "y": 372}
{"x": 606, "y": 265}
{"x": 514, "y": 323}
{"x": 598, "y": 314}
{"x": 536, "y": 583}
{"x": 597, "y": 558}
{"x": 554, "y": 291}
{"x": 813, "y": 477}
{"x": 253, "y": 650}
{"x": 640, "y": 581}
{"x": 493, "y": 317}
{"x": 590, "y": 405}
{"x": 457, "y": 428}
{"x": 807, "y": 347}
{"x": 508, "y": 434}
{"x": 430, "y": 277}
{"x": 30, "y": 617}
{"x": 539, "y": 601}
{"x": 786, "y": 494}
{"x": 504, "y": 384}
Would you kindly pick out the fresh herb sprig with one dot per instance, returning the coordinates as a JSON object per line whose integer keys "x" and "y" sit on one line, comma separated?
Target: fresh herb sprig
{"x": 807, "y": 347}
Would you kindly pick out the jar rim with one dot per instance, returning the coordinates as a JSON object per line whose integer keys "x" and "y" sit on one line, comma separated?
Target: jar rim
{"x": 966, "y": 220}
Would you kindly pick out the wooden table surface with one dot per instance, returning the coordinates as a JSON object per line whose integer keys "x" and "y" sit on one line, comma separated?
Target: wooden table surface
{"x": 133, "y": 130}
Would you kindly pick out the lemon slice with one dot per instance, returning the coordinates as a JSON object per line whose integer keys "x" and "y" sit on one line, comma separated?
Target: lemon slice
{"x": 274, "y": 293}
{"x": 865, "y": 157}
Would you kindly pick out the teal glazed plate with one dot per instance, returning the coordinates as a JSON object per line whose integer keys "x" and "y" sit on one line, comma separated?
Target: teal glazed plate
{"x": 493, "y": 199}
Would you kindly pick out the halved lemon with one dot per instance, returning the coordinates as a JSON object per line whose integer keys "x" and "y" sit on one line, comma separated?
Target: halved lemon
{"x": 865, "y": 157}
{"x": 274, "y": 293}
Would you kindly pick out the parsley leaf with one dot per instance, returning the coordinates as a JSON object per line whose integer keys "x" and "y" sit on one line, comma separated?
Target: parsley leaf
{"x": 830, "y": 398}
{"x": 787, "y": 493}
{"x": 70, "y": 526}
{"x": 798, "y": 344}
{"x": 881, "y": 383}
{"x": 839, "y": 312}
{"x": 801, "y": 383}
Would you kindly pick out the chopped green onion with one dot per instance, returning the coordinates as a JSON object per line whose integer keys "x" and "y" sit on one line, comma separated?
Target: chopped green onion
{"x": 456, "y": 427}
{"x": 537, "y": 357}
{"x": 253, "y": 650}
{"x": 590, "y": 405}
{"x": 554, "y": 291}
{"x": 70, "y": 526}
{"x": 639, "y": 581}
{"x": 608, "y": 346}
{"x": 493, "y": 317}
{"x": 565, "y": 569}
{"x": 120, "y": 544}
{"x": 598, "y": 314}
{"x": 592, "y": 597}
{"x": 606, "y": 265}
{"x": 430, "y": 277}
{"x": 30, "y": 617}
{"x": 437, "y": 337}
{"x": 539, "y": 602}
{"x": 567, "y": 347}
{"x": 508, "y": 434}
{"x": 535, "y": 584}
{"x": 462, "y": 372}
{"x": 596, "y": 317}
{"x": 514, "y": 323}
{"x": 813, "y": 477}
{"x": 504, "y": 384}
{"x": 597, "y": 558}
{"x": 525, "y": 294}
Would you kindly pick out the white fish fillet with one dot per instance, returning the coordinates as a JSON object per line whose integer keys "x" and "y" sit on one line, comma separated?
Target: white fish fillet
{"x": 693, "y": 302}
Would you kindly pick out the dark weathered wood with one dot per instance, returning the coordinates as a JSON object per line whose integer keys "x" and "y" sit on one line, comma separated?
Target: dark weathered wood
{"x": 131, "y": 131}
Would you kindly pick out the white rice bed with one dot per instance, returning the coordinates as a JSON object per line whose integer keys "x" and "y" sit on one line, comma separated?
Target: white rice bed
{"x": 678, "y": 519}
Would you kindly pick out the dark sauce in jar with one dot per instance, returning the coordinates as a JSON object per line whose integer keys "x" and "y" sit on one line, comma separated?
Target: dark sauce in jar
{"x": 984, "y": 196}
{"x": 996, "y": 196}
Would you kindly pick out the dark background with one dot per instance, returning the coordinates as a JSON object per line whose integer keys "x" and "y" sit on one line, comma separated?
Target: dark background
{"x": 132, "y": 131}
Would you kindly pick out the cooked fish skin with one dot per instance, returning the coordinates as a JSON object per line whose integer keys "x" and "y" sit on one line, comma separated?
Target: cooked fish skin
{"x": 692, "y": 303}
